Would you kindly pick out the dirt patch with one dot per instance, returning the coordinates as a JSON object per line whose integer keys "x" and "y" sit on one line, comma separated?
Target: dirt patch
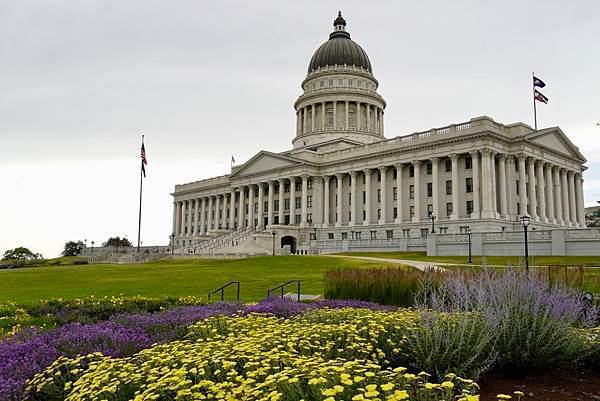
{"x": 562, "y": 386}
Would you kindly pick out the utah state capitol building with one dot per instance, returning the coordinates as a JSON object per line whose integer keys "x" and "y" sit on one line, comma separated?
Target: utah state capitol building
{"x": 343, "y": 180}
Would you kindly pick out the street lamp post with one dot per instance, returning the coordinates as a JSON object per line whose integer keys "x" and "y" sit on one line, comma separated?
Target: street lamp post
{"x": 525, "y": 220}
{"x": 432, "y": 217}
{"x": 469, "y": 235}
{"x": 172, "y": 237}
{"x": 93, "y": 247}
{"x": 273, "y": 233}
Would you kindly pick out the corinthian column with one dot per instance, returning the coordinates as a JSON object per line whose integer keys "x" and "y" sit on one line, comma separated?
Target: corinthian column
{"x": 261, "y": 208}
{"x": 224, "y": 213}
{"x": 210, "y": 214}
{"x": 435, "y": 193}
{"x": 312, "y": 117}
{"x": 502, "y": 176}
{"x": 455, "y": 198}
{"x": 580, "y": 200}
{"x": 232, "y": 209}
{"x": 486, "y": 180}
{"x": 196, "y": 211}
{"x": 281, "y": 213}
{"x": 532, "y": 194}
{"x": 399, "y": 193}
{"x": 551, "y": 217}
{"x": 270, "y": 200}
{"x": 340, "y": 202}
{"x": 565, "y": 197}
{"x": 292, "y": 200}
{"x": 353, "y": 199}
{"x": 217, "y": 208}
{"x": 572, "y": 204}
{"x": 367, "y": 219}
{"x": 522, "y": 185}
{"x": 326, "y": 201}
{"x": 417, "y": 190}
{"x": 383, "y": 191}
{"x": 203, "y": 216}
{"x": 476, "y": 186}
{"x": 494, "y": 184}
{"x": 541, "y": 191}
{"x": 304, "y": 211}
{"x": 558, "y": 204}
{"x": 174, "y": 230}
{"x": 347, "y": 115}
{"x": 242, "y": 212}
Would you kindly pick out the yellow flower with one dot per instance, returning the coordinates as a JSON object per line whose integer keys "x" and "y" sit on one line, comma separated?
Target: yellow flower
{"x": 503, "y": 397}
{"x": 387, "y": 386}
{"x": 447, "y": 385}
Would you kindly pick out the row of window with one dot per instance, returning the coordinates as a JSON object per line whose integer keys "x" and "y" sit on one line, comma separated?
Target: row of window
{"x": 334, "y": 82}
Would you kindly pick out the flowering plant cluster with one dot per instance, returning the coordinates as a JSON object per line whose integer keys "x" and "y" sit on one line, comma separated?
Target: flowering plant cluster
{"x": 344, "y": 354}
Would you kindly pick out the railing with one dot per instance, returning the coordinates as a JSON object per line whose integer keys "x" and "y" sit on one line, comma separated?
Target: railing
{"x": 222, "y": 289}
{"x": 282, "y": 286}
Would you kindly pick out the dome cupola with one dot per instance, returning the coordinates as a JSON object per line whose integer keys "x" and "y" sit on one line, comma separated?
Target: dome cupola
{"x": 340, "y": 105}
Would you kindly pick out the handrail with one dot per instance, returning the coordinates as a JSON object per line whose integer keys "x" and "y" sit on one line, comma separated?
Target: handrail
{"x": 222, "y": 289}
{"x": 282, "y": 286}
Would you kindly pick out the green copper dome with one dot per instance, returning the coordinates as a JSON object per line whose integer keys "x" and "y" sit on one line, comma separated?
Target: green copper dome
{"x": 339, "y": 50}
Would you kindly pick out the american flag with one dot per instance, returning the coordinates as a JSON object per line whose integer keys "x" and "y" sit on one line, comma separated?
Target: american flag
{"x": 539, "y": 97}
{"x": 144, "y": 161}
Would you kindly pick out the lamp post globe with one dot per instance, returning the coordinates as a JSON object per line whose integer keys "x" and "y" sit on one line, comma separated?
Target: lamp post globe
{"x": 273, "y": 233}
{"x": 525, "y": 221}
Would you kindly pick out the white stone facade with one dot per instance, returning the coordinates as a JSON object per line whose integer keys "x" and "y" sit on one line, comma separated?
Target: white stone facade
{"x": 344, "y": 180}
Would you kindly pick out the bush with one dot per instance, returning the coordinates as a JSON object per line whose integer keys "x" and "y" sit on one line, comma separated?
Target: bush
{"x": 389, "y": 285}
{"x": 534, "y": 320}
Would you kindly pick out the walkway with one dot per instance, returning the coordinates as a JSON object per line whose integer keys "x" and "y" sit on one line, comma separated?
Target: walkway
{"x": 419, "y": 265}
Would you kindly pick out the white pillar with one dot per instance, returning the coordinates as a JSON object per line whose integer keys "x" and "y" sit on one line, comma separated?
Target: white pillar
{"x": 494, "y": 184}
{"x": 580, "y": 200}
{"x": 326, "y": 201}
{"x": 323, "y": 120}
{"x": 210, "y": 214}
{"x": 503, "y": 198}
{"x": 368, "y": 106}
{"x": 455, "y": 188}
{"x": 335, "y": 115}
{"x": 435, "y": 181}
{"x": 304, "y": 123}
{"x": 417, "y": 190}
{"x": 203, "y": 216}
{"x": 565, "y": 197}
{"x": 532, "y": 194}
{"x": 261, "y": 209}
{"x": 511, "y": 182}
{"x": 312, "y": 117}
{"x": 292, "y": 200}
{"x": 357, "y": 116}
{"x": 232, "y": 209}
{"x": 251, "y": 214}
{"x": 486, "y": 180}
{"x": 196, "y": 217}
{"x": 174, "y": 230}
{"x": 304, "y": 201}
{"x": 558, "y": 204}
{"x": 298, "y": 125}
{"x": 541, "y": 191}
{"x": 340, "y": 200}
{"x": 522, "y": 185}
{"x": 367, "y": 219}
{"x": 551, "y": 216}
{"x": 383, "y": 190}
{"x": 224, "y": 213}
{"x": 572, "y": 204}
{"x": 399, "y": 193}
{"x": 347, "y": 115}
{"x": 217, "y": 208}
{"x": 476, "y": 185}
{"x": 353, "y": 199}
{"x": 270, "y": 199}
{"x": 281, "y": 214}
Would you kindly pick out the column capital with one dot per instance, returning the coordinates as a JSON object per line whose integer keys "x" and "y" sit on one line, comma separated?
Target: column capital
{"x": 271, "y": 183}
{"x": 434, "y": 159}
{"x": 502, "y": 156}
{"x": 570, "y": 173}
{"x": 521, "y": 156}
{"x": 305, "y": 176}
{"x": 540, "y": 162}
{"x": 317, "y": 178}
{"x": 399, "y": 166}
{"x": 353, "y": 174}
{"x": 382, "y": 169}
{"x": 339, "y": 175}
{"x": 416, "y": 162}
{"x": 367, "y": 170}
{"x": 326, "y": 177}
{"x": 281, "y": 180}
{"x": 474, "y": 153}
{"x": 453, "y": 156}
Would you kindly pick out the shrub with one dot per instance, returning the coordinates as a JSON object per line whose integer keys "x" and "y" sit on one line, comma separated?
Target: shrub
{"x": 388, "y": 285}
{"x": 533, "y": 320}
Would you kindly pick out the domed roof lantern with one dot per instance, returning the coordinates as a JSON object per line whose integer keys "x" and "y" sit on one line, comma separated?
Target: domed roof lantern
{"x": 339, "y": 23}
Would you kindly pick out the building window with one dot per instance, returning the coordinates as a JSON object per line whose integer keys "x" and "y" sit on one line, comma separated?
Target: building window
{"x": 364, "y": 197}
{"x": 448, "y": 165}
{"x": 448, "y": 187}
{"x": 518, "y": 208}
{"x": 350, "y": 82}
{"x": 469, "y": 207}
{"x": 309, "y": 184}
{"x": 364, "y": 215}
{"x": 331, "y": 84}
{"x": 255, "y": 208}
{"x": 430, "y": 210}
{"x": 389, "y": 234}
{"x": 449, "y": 208}
{"x": 443, "y": 230}
{"x": 321, "y": 83}
{"x": 394, "y": 193}
{"x": 395, "y": 173}
{"x": 411, "y": 171}
{"x": 411, "y": 192}
{"x": 344, "y": 235}
{"x": 298, "y": 203}
{"x": 429, "y": 168}
{"x": 298, "y": 185}
{"x": 309, "y": 218}
{"x": 424, "y": 232}
{"x": 379, "y": 195}
{"x": 429, "y": 189}
{"x": 395, "y": 212}
{"x": 406, "y": 232}
{"x": 297, "y": 219}
{"x": 357, "y": 235}
{"x": 276, "y": 205}
{"x": 330, "y": 236}
{"x": 350, "y": 199}
{"x": 379, "y": 176}
{"x": 309, "y": 201}
{"x": 276, "y": 189}
{"x": 276, "y": 219}
{"x": 266, "y": 207}
{"x": 373, "y": 234}
{"x": 517, "y": 187}
{"x": 469, "y": 184}
{"x": 412, "y": 211}
{"x": 286, "y": 204}
{"x": 286, "y": 188}
{"x": 378, "y": 214}
{"x": 468, "y": 163}
{"x": 349, "y": 216}
{"x": 463, "y": 229}
{"x": 340, "y": 82}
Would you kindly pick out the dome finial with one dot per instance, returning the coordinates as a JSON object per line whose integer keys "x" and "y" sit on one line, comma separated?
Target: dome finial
{"x": 339, "y": 23}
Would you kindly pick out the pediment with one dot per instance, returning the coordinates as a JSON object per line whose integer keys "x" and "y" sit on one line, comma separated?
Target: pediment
{"x": 555, "y": 139}
{"x": 263, "y": 162}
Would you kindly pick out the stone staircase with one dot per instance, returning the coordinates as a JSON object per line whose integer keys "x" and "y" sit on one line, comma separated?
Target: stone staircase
{"x": 220, "y": 244}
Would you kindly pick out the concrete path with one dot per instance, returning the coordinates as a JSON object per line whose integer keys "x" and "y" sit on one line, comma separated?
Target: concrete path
{"x": 419, "y": 265}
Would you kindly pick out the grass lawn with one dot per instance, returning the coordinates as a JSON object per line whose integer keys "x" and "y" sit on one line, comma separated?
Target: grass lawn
{"x": 492, "y": 260}
{"x": 170, "y": 278}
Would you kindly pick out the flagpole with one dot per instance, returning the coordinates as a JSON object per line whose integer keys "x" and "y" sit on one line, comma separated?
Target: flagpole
{"x": 534, "y": 108}
{"x": 140, "y": 210}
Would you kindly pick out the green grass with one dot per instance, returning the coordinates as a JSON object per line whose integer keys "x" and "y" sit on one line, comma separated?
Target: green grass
{"x": 492, "y": 260}
{"x": 170, "y": 278}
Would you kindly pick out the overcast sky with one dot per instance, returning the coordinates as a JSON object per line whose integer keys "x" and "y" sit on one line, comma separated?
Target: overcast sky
{"x": 80, "y": 80}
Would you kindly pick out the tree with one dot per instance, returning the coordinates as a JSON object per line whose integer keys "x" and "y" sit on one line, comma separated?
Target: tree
{"x": 72, "y": 248}
{"x": 21, "y": 253}
{"x": 117, "y": 242}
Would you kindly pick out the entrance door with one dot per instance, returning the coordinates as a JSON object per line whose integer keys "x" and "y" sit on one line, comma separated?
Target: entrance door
{"x": 289, "y": 240}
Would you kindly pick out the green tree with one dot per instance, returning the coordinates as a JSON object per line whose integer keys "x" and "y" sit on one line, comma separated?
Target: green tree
{"x": 72, "y": 248}
{"x": 21, "y": 253}
{"x": 117, "y": 242}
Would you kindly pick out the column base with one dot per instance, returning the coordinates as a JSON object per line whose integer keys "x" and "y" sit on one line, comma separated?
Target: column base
{"x": 454, "y": 216}
{"x": 338, "y": 224}
{"x": 325, "y": 225}
{"x": 398, "y": 221}
{"x": 351, "y": 224}
{"x": 488, "y": 214}
{"x": 415, "y": 219}
{"x": 381, "y": 222}
{"x": 475, "y": 215}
